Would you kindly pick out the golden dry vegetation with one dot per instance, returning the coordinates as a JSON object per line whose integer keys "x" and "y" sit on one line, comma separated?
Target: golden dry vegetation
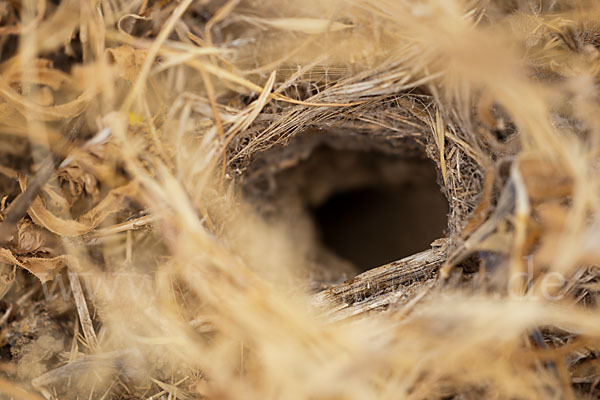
{"x": 156, "y": 231}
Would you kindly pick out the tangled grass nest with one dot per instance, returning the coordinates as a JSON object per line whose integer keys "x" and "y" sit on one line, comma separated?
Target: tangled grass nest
{"x": 143, "y": 256}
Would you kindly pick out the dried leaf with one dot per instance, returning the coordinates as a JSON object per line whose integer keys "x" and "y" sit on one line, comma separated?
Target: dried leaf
{"x": 39, "y": 71}
{"x": 112, "y": 203}
{"x": 29, "y": 238}
{"x": 79, "y": 181}
{"x": 53, "y": 113}
{"x": 44, "y": 269}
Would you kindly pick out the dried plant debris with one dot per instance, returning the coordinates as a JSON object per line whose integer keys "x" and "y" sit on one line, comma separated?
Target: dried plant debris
{"x": 164, "y": 165}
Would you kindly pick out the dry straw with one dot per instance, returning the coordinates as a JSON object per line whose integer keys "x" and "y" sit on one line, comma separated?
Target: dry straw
{"x": 133, "y": 266}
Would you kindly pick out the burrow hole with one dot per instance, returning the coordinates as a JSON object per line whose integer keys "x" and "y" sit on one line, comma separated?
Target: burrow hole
{"x": 368, "y": 207}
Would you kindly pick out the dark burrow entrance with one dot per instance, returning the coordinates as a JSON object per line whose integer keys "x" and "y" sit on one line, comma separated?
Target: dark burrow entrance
{"x": 372, "y": 226}
{"x": 365, "y": 205}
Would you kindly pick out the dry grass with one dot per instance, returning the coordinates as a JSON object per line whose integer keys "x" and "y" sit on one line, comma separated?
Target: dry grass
{"x": 126, "y": 133}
